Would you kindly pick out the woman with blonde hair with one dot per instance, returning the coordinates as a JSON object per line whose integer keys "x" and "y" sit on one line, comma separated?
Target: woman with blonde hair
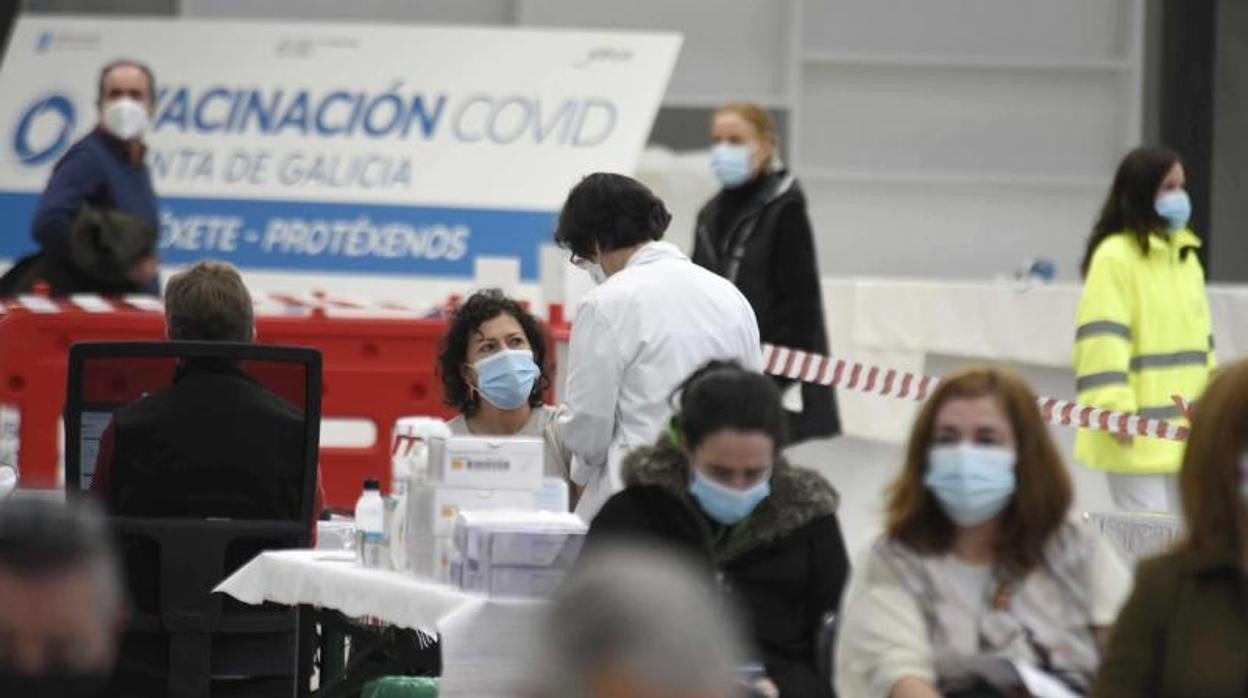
{"x": 979, "y": 571}
{"x": 1184, "y": 631}
{"x": 755, "y": 232}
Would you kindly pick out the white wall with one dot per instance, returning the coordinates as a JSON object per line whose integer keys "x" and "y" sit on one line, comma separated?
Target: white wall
{"x": 951, "y": 138}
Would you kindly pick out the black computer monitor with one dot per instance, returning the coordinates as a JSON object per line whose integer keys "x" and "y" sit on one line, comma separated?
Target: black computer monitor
{"x": 107, "y": 376}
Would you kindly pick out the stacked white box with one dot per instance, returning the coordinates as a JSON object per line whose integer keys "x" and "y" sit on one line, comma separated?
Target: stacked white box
{"x": 516, "y": 553}
{"x": 467, "y": 474}
{"x": 433, "y": 510}
{"x": 475, "y": 462}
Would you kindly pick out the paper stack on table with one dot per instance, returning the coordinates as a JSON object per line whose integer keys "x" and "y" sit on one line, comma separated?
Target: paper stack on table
{"x": 515, "y": 553}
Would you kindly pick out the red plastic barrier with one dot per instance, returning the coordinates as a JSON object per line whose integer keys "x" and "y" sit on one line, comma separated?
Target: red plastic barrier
{"x": 376, "y": 368}
{"x": 379, "y": 364}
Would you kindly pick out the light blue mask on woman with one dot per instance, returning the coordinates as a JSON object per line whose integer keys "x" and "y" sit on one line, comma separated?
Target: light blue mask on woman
{"x": 731, "y": 164}
{"x": 972, "y": 483}
{"x": 726, "y": 504}
{"x": 506, "y": 379}
{"x": 1176, "y": 207}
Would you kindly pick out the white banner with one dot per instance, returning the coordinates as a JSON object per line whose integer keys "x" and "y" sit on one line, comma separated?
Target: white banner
{"x": 346, "y": 148}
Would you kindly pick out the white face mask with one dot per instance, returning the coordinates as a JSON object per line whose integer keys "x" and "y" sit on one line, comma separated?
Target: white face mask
{"x": 125, "y": 118}
{"x": 597, "y": 273}
{"x": 594, "y": 269}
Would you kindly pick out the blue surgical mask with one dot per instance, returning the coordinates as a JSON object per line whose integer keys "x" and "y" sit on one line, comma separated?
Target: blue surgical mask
{"x": 1176, "y": 207}
{"x": 726, "y": 504}
{"x": 972, "y": 483}
{"x": 506, "y": 379}
{"x": 731, "y": 164}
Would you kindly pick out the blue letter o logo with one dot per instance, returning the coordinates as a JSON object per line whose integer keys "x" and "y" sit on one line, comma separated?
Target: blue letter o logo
{"x": 56, "y": 106}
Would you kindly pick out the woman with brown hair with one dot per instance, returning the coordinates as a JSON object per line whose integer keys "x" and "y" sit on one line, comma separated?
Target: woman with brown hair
{"x": 1184, "y": 631}
{"x": 979, "y": 568}
{"x": 756, "y": 233}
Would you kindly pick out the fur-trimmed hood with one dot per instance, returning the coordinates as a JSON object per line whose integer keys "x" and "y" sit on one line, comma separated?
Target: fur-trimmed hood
{"x": 798, "y": 496}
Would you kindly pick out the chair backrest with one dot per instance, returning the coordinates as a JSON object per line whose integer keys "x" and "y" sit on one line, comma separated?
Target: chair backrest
{"x": 189, "y": 621}
{"x": 105, "y": 377}
{"x": 180, "y": 413}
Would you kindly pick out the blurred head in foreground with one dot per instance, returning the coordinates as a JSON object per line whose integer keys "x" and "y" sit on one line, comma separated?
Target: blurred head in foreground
{"x": 638, "y": 623}
{"x": 1214, "y": 479}
{"x": 60, "y": 600}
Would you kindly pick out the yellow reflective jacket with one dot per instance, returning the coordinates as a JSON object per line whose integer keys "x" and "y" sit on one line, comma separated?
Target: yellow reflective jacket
{"x": 1143, "y": 335}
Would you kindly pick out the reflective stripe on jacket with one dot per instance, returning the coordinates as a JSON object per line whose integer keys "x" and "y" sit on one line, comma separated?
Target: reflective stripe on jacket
{"x": 1143, "y": 334}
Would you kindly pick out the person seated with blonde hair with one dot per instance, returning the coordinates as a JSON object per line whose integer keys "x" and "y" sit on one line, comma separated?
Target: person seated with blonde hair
{"x": 978, "y": 571}
{"x": 216, "y": 442}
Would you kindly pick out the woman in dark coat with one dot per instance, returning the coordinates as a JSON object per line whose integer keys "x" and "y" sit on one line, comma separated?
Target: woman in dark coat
{"x": 755, "y": 233}
{"x": 717, "y": 488}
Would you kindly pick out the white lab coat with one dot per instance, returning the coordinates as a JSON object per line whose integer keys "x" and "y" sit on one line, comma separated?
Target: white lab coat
{"x": 635, "y": 338}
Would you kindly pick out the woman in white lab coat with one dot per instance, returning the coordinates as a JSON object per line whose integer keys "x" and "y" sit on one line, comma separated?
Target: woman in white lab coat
{"x": 654, "y": 318}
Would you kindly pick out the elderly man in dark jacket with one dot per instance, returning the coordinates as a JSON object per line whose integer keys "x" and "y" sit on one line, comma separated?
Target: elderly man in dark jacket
{"x": 97, "y": 221}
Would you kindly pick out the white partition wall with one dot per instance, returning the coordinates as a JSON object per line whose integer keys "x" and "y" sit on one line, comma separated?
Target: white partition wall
{"x": 937, "y": 138}
{"x": 957, "y": 138}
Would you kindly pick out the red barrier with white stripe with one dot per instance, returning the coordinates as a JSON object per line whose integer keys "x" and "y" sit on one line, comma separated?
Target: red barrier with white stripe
{"x": 285, "y": 304}
{"x": 904, "y": 385}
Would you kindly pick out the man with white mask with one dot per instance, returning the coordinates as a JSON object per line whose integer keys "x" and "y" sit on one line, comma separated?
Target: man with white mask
{"x": 104, "y": 175}
{"x": 653, "y": 319}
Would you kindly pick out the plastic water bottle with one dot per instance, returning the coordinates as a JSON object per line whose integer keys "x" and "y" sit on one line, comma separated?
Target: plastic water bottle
{"x": 370, "y": 525}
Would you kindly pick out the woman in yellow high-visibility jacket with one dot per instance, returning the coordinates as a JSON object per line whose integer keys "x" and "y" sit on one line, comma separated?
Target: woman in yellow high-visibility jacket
{"x": 1144, "y": 333}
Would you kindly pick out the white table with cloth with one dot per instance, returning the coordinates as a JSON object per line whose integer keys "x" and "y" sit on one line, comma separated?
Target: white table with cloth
{"x": 485, "y": 641}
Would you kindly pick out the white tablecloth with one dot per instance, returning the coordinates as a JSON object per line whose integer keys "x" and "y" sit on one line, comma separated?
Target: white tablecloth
{"x": 485, "y": 642}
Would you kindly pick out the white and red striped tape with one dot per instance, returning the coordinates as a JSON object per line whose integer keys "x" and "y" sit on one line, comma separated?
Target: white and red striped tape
{"x": 904, "y": 385}
{"x": 265, "y": 303}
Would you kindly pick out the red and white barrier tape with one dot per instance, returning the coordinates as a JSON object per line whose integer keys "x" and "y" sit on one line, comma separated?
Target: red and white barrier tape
{"x": 265, "y": 303}
{"x": 904, "y": 385}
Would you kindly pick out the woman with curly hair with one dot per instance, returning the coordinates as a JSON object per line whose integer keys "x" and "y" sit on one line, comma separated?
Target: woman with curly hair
{"x": 493, "y": 368}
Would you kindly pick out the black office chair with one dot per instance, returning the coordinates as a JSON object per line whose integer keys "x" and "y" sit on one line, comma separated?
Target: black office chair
{"x": 825, "y": 644}
{"x": 189, "y": 642}
{"x": 182, "y": 640}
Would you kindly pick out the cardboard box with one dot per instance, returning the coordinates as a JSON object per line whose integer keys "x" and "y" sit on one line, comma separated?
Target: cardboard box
{"x": 521, "y": 548}
{"x": 432, "y": 509}
{"x": 516, "y": 553}
{"x": 432, "y": 512}
{"x": 474, "y": 462}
